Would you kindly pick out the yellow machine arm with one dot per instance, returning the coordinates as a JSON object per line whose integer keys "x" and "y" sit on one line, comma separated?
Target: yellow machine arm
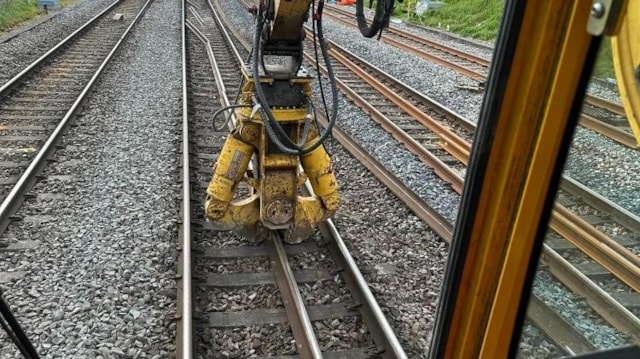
{"x": 276, "y": 130}
{"x": 626, "y": 59}
{"x": 276, "y": 133}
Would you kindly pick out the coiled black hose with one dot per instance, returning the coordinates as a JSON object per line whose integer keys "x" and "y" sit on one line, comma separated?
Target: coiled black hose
{"x": 384, "y": 8}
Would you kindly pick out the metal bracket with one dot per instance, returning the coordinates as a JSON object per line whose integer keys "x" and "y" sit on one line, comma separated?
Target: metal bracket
{"x": 605, "y": 16}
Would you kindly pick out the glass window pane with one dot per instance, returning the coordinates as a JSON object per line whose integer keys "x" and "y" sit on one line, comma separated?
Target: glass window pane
{"x": 585, "y": 296}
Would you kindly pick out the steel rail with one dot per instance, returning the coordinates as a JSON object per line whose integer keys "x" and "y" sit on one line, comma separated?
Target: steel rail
{"x": 438, "y": 32}
{"x": 425, "y": 54}
{"x": 613, "y": 132}
{"x": 427, "y": 157}
{"x": 610, "y": 106}
{"x": 447, "y": 49}
{"x": 306, "y": 341}
{"x": 619, "y": 214}
{"x": 597, "y": 245}
{"x": 184, "y": 333}
{"x": 446, "y": 112}
{"x": 14, "y": 199}
{"x": 559, "y": 330}
{"x": 451, "y": 142}
{"x": 602, "y": 302}
{"x": 623, "y": 137}
{"x": 15, "y": 80}
{"x": 372, "y": 313}
{"x": 436, "y": 222}
{"x": 436, "y": 59}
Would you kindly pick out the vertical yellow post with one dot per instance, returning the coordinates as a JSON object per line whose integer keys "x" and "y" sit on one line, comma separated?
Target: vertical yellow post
{"x": 522, "y": 142}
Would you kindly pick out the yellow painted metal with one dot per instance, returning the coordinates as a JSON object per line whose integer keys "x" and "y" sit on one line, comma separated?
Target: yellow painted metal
{"x": 317, "y": 166}
{"x": 626, "y": 59}
{"x": 547, "y": 64}
{"x": 274, "y": 202}
{"x": 229, "y": 169}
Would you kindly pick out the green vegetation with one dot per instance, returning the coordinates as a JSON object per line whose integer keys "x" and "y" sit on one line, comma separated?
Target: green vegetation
{"x": 14, "y": 12}
{"x": 477, "y": 19}
{"x": 604, "y": 62}
{"x": 480, "y": 19}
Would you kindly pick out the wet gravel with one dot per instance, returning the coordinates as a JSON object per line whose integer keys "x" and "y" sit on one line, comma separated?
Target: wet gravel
{"x": 101, "y": 281}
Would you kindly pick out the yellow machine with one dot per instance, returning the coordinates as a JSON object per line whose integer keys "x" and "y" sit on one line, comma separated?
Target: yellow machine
{"x": 276, "y": 133}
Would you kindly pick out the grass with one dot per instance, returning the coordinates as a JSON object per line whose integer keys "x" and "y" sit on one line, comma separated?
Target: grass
{"x": 603, "y": 67}
{"x": 478, "y": 19}
{"x": 14, "y": 12}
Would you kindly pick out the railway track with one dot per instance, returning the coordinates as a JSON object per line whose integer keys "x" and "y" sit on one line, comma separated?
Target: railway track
{"x": 598, "y": 114}
{"x": 309, "y": 300}
{"x": 580, "y": 232}
{"x": 41, "y": 102}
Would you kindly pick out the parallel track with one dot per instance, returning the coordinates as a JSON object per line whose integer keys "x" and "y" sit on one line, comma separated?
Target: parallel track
{"x": 72, "y": 79}
{"x": 38, "y": 104}
{"x": 600, "y": 115}
{"x": 617, "y": 259}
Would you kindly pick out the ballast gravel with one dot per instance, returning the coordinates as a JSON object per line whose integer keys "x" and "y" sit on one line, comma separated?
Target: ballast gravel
{"x": 100, "y": 282}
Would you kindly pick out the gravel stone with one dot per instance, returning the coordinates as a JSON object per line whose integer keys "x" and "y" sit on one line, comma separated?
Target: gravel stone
{"x": 100, "y": 282}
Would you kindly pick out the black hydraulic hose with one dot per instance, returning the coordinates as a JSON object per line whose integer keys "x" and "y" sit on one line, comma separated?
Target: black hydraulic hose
{"x": 227, "y": 108}
{"x": 334, "y": 88}
{"x": 13, "y": 329}
{"x": 271, "y": 124}
{"x": 380, "y": 19}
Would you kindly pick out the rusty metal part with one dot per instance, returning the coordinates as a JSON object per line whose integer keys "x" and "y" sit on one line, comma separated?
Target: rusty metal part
{"x": 306, "y": 341}
{"x": 613, "y": 132}
{"x": 608, "y": 105}
{"x": 557, "y": 328}
{"x": 610, "y": 309}
{"x": 597, "y": 245}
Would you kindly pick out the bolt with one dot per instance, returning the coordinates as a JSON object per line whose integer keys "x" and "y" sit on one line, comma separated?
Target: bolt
{"x": 597, "y": 10}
